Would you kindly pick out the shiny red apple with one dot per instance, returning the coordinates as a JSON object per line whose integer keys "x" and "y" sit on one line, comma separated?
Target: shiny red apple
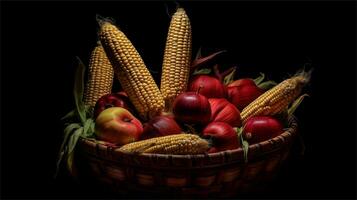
{"x": 261, "y": 128}
{"x": 192, "y": 108}
{"x": 211, "y": 86}
{"x": 117, "y": 125}
{"x": 222, "y": 136}
{"x": 243, "y": 95}
{"x": 160, "y": 126}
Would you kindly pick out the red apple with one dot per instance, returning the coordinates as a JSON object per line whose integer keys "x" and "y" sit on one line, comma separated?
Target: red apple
{"x": 243, "y": 95}
{"x": 117, "y": 125}
{"x": 113, "y": 100}
{"x": 192, "y": 108}
{"x": 160, "y": 126}
{"x": 223, "y": 111}
{"x": 222, "y": 135}
{"x": 261, "y": 128}
{"x": 242, "y": 82}
{"x": 211, "y": 86}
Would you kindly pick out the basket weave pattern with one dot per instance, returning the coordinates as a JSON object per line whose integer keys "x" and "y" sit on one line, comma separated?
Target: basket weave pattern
{"x": 218, "y": 174}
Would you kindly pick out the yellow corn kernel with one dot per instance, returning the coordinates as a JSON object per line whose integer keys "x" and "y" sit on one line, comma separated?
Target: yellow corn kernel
{"x": 277, "y": 98}
{"x": 177, "y": 58}
{"x": 100, "y": 76}
{"x": 131, "y": 71}
{"x": 172, "y": 144}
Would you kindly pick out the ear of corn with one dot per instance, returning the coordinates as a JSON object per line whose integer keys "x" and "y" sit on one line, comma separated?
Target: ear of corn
{"x": 131, "y": 71}
{"x": 277, "y": 98}
{"x": 100, "y": 76}
{"x": 172, "y": 144}
{"x": 177, "y": 58}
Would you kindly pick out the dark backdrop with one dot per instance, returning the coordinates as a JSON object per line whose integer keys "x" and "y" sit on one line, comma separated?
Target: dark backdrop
{"x": 39, "y": 42}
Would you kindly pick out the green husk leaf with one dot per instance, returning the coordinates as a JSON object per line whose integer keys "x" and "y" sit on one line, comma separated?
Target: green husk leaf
{"x": 71, "y": 145}
{"x": 70, "y": 162}
{"x": 229, "y": 78}
{"x": 202, "y": 71}
{"x": 296, "y": 104}
{"x": 240, "y": 135}
{"x": 69, "y": 115}
{"x": 89, "y": 111}
{"x": 64, "y": 148}
{"x": 58, "y": 163}
{"x": 259, "y": 79}
{"x": 267, "y": 85}
{"x": 88, "y": 128}
{"x": 84, "y": 126}
{"x": 67, "y": 132}
{"x": 74, "y": 139}
{"x": 245, "y": 146}
{"x": 239, "y": 131}
{"x": 78, "y": 90}
{"x": 244, "y": 143}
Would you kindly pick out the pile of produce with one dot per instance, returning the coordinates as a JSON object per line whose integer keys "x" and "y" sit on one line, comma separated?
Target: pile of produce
{"x": 196, "y": 109}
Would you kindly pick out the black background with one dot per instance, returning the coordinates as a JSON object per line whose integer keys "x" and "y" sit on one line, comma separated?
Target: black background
{"x": 39, "y": 42}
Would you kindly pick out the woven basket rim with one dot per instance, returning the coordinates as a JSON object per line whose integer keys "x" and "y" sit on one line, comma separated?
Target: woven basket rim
{"x": 255, "y": 151}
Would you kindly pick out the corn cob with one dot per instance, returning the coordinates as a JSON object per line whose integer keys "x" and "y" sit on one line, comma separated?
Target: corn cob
{"x": 131, "y": 71}
{"x": 100, "y": 76}
{"x": 277, "y": 98}
{"x": 172, "y": 144}
{"x": 177, "y": 58}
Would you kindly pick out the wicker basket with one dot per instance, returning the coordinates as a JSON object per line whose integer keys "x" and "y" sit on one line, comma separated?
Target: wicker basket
{"x": 220, "y": 174}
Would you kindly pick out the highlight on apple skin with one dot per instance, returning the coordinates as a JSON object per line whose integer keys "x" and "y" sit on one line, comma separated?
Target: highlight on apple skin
{"x": 118, "y": 126}
{"x": 192, "y": 108}
{"x": 261, "y": 128}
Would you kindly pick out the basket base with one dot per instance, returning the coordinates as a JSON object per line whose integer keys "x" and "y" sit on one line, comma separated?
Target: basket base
{"x": 114, "y": 189}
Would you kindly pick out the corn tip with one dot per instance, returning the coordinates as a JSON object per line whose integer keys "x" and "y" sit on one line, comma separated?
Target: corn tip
{"x": 180, "y": 9}
{"x": 304, "y": 76}
{"x": 103, "y": 20}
